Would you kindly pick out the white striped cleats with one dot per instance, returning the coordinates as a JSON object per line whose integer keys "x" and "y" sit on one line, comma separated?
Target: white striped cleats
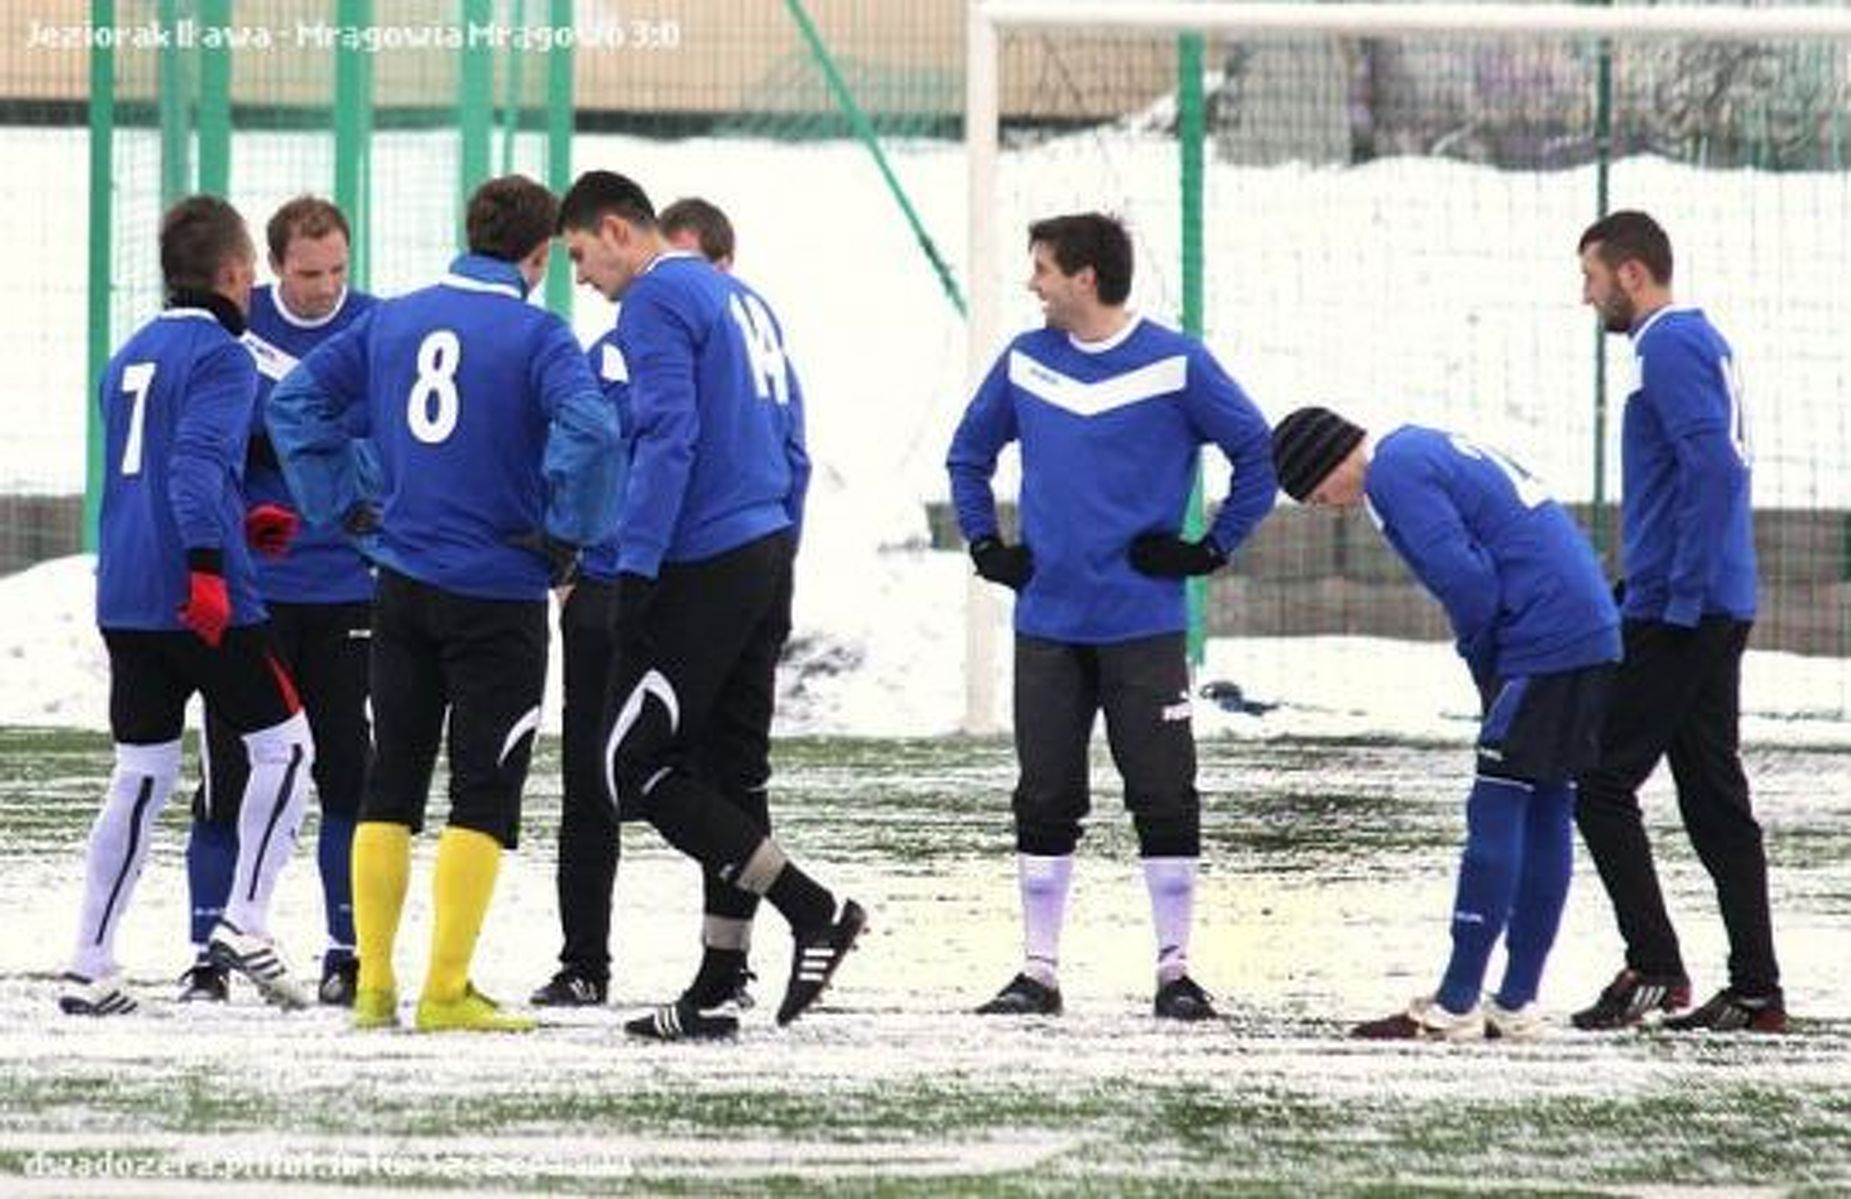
{"x": 814, "y": 959}
{"x": 682, "y": 1021}
{"x": 105, "y": 996}
{"x": 259, "y": 959}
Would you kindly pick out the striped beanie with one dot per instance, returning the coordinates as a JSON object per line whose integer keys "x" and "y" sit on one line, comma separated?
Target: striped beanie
{"x": 1307, "y": 445}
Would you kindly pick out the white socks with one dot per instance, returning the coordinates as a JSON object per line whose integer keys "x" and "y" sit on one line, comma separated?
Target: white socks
{"x": 1044, "y": 884}
{"x": 1171, "y": 882}
{"x": 269, "y": 819}
{"x": 138, "y": 789}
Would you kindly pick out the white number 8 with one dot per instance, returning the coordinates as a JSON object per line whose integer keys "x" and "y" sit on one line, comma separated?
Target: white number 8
{"x": 431, "y": 408}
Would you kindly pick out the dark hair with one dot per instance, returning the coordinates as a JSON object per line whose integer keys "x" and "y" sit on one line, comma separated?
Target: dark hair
{"x": 600, "y": 193}
{"x": 706, "y": 221}
{"x": 508, "y": 217}
{"x": 1093, "y": 239}
{"x": 308, "y": 217}
{"x": 1627, "y": 235}
{"x": 198, "y": 236}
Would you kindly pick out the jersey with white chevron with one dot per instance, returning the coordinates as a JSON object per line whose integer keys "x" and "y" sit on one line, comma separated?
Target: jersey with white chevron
{"x": 1109, "y": 434}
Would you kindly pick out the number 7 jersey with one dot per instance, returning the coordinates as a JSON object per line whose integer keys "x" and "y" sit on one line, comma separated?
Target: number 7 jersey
{"x": 176, "y": 407}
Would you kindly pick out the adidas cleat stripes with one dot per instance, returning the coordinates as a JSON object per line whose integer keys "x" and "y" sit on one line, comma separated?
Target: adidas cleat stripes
{"x": 260, "y": 960}
{"x": 103, "y": 996}
{"x": 815, "y": 957}
{"x": 681, "y": 1021}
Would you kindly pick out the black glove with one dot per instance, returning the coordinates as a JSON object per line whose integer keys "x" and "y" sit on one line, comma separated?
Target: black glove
{"x": 1170, "y": 557}
{"x": 561, "y": 556}
{"x": 1010, "y": 565}
{"x": 635, "y": 595}
{"x": 1619, "y": 593}
{"x": 361, "y": 520}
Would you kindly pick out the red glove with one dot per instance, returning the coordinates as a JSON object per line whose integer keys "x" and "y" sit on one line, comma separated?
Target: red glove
{"x": 207, "y": 609}
{"x": 269, "y": 528}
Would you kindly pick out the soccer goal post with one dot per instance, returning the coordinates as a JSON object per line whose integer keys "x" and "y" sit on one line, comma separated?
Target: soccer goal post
{"x": 1384, "y": 218}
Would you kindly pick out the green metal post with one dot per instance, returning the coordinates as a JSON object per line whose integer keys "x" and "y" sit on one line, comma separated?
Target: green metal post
{"x": 1191, "y": 134}
{"x": 215, "y": 102}
{"x": 175, "y": 99}
{"x": 353, "y": 139}
{"x": 102, "y": 155}
{"x": 475, "y": 103}
{"x": 864, "y": 132}
{"x": 559, "y": 154}
{"x": 511, "y": 93}
{"x": 1600, "y": 518}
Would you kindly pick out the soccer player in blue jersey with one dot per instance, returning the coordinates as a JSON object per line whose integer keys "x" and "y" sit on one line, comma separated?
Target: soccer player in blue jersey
{"x": 319, "y": 592}
{"x": 589, "y": 841}
{"x": 708, "y": 535}
{"x": 1110, "y": 410}
{"x": 1538, "y": 630}
{"x": 496, "y": 460}
{"x": 1687, "y": 543}
{"x": 179, "y": 609}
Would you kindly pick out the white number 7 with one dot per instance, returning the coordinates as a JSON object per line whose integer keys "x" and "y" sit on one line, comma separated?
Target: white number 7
{"x": 137, "y": 378}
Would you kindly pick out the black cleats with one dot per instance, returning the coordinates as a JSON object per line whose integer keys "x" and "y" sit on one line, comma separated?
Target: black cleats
{"x": 1630, "y": 997}
{"x": 815, "y": 957}
{"x": 569, "y": 988}
{"x": 340, "y": 974}
{"x": 1182, "y": 999}
{"x": 204, "y": 982}
{"x": 1731, "y": 1011}
{"x": 1023, "y": 996}
{"x": 682, "y": 1021}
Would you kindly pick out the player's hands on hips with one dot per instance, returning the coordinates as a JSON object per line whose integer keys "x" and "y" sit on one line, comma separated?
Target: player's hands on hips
{"x": 561, "y": 557}
{"x": 1010, "y": 565}
{"x": 207, "y": 610}
{"x": 269, "y": 528}
{"x": 1169, "y": 557}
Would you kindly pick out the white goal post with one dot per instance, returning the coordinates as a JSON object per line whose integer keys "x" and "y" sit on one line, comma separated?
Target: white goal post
{"x": 990, "y": 20}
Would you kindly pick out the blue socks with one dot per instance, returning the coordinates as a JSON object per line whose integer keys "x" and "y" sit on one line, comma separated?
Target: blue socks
{"x": 1488, "y": 876}
{"x": 211, "y": 859}
{"x": 334, "y": 854}
{"x": 1542, "y": 891}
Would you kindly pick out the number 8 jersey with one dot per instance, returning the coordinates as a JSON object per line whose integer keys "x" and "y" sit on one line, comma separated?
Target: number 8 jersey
{"x": 487, "y": 422}
{"x": 176, "y": 407}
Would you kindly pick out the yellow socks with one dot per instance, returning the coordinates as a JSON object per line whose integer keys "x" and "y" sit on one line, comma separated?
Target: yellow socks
{"x": 381, "y": 871}
{"x": 467, "y": 862}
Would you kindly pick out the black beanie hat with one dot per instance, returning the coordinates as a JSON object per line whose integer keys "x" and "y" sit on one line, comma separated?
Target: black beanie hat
{"x": 1307, "y": 445}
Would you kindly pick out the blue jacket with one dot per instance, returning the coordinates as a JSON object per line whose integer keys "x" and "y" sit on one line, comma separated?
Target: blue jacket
{"x": 1519, "y": 582}
{"x": 176, "y": 407}
{"x": 1687, "y": 529}
{"x": 321, "y": 565}
{"x": 717, "y": 454}
{"x": 1110, "y": 437}
{"x": 599, "y": 561}
{"x": 487, "y": 425}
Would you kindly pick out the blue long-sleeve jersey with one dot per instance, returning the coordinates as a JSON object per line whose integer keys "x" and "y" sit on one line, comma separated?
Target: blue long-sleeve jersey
{"x": 176, "y": 408}
{"x": 1110, "y": 435}
{"x": 321, "y": 565}
{"x": 599, "y": 561}
{"x": 1687, "y": 531}
{"x": 717, "y": 455}
{"x": 486, "y": 423}
{"x": 1519, "y": 582}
